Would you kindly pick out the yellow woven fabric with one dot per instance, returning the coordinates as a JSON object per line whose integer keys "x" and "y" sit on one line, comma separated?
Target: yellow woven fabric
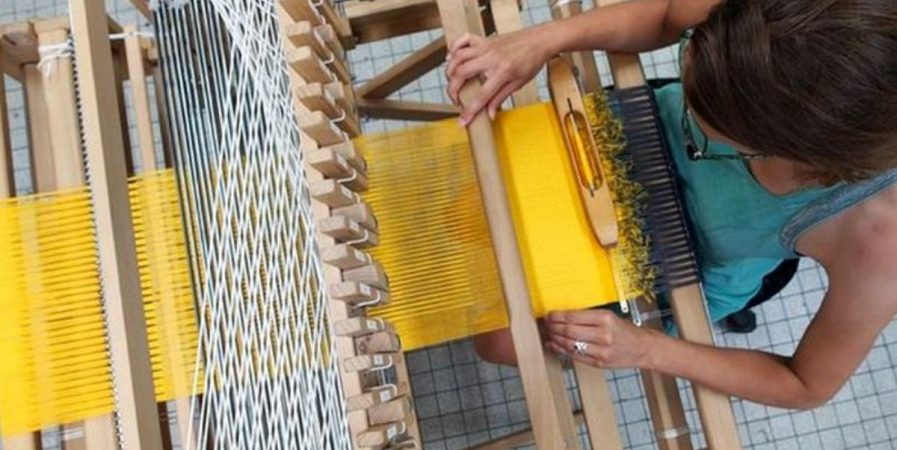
{"x": 435, "y": 240}
{"x": 53, "y": 361}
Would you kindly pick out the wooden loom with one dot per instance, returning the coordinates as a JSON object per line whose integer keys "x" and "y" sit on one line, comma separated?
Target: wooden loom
{"x": 326, "y": 108}
{"x": 55, "y": 147}
{"x": 549, "y": 410}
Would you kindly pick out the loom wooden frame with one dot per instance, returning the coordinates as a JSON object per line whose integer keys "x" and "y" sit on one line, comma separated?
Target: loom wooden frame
{"x": 57, "y": 164}
{"x": 662, "y": 391}
{"x": 383, "y": 19}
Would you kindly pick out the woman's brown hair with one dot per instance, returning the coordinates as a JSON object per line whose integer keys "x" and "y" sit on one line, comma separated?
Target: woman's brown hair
{"x": 813, "y": 81}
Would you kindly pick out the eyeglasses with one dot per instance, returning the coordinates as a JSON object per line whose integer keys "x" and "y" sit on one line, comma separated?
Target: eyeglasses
{"x": 696, "y": 143}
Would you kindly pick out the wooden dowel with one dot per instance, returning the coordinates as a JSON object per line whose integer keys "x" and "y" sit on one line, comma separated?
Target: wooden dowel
{"x": 542, "y": 375}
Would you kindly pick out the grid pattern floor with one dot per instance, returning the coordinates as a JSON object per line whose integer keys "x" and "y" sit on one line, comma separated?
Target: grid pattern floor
{"x": 462, "y": 401}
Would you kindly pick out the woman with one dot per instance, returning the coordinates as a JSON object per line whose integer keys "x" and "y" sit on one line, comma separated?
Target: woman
{"x": 784, "y": 136}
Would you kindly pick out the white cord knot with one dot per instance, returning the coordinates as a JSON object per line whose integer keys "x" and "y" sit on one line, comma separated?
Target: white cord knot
{"x": 49, "y": 54}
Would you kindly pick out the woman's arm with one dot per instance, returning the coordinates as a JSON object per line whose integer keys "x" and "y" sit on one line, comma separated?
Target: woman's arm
{"x": 509, "y": 61}
{"x": 861, "y": 301}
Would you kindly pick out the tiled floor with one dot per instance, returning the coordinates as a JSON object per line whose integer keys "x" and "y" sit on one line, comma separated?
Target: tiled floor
{"x": 462, "y": 401}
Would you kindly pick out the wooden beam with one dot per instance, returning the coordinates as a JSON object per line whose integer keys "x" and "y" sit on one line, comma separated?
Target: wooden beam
{"x": 543, "y": 379}
{"x": 42, "y": 164}
{"x": 143, "y": 7}
{"x": 405, "y": 71}
{"x": 383, "y": 19}
{"x": 402, "y": 110}
{"x": 25, "y": 441}
{"x": 7, "y": 174}
{"x": 126, "y": 324}
{"x": 135, "y": 59}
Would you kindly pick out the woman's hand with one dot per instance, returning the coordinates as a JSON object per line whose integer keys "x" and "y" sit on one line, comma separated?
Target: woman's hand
{"x": 611, "y": 342}
{"x": 506, "y": 63}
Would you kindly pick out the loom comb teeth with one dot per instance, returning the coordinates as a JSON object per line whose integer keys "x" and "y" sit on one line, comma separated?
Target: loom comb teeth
{"x": 583, "y": 152}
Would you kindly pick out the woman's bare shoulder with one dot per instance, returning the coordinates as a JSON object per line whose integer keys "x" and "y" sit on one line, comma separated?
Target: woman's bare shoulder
{"x": 863, "y": 238}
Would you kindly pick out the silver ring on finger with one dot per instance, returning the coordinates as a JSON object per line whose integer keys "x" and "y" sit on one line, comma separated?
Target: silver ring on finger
{"x": 580, "y": 348}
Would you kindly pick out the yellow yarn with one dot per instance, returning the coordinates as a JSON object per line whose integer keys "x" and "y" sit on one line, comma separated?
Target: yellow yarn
{"x": 53, "y": 359}
{"x": 435, "y": 240}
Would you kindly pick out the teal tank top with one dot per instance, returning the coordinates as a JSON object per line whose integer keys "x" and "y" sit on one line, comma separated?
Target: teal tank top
{"x": 742, "y": 231}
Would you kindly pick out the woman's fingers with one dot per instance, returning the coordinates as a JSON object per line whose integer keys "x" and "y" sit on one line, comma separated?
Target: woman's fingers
{"x": 464, "y": 41}
{"x": 456, "y": 59}
{"x": 583, "y": 317}
{"x": 500, "y": 97}
{"x": 462, "y": 74}
{"x": 489, "y": 89}
{"x": 572, "y": 331}
{"x": 592, "y": 355}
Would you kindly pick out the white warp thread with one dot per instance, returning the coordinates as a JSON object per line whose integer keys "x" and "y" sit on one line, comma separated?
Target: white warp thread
{"x": 266, "y": 365}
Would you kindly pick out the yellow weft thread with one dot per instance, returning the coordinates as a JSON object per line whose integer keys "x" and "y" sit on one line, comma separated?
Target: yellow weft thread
{"x": 53, "y": 361}
{"x": 435, "y": 240}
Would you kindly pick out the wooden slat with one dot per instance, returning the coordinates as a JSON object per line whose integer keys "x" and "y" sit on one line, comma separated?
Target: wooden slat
{"x": 598, "y": 407}
{"x": 519, "y": 438}
{"x": 383, "y": 19}
{"x": 405, "y": 71}
{"x": 7, "y": 174}
{"x": 62, "y": 115}
{"x": 126, "y": 324}
{"x": 542, "y": 375}
{"x": 43, "y": 167}
{"x": 506, "y": 15}
{"x": 137, "y": 70}
{"x": 405, "y": 110}
{"x": 27, "y": 441}
{"x": 143, "y": 7}
{"x": 65, "y": 140}
{"x": 717, "y": 418}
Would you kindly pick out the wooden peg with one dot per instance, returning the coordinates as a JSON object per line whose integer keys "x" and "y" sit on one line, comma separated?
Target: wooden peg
{"x": 359, "y": 212}
{"x": 344, "y": 230}
{"x": 321, "y": 128}
{"x": 345, "y": 257}
{"x": 307, "y": 64}
{"x": 332, "y": 193}
{"x": 374, "y": 396}
{"x": 385, "y": 341}
{"x": 356, "y": 293}
{"x": 347, "y": 150}
{"x": 371, "y": 274}
{"x": 394, "y": 411}
{"x": 333, "y": 166}
{"x": 378, "y": 361}
{"x": 328, "y": 35}
{"x": 316, "y": 98}
{"x": 380, "y": 435}
{"x": 358, "y": 326}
